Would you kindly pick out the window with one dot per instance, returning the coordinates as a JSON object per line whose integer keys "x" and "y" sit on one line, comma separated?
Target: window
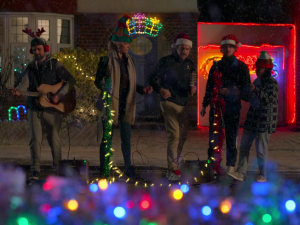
{"x": 17, "y": 25}
{"x": 46, "y": 25}
{"x": 19, "y": 54}
{"x": 1, "y": 30}
{"x": 166, "y": 47}
{"x": 63, "y": 31}
{"x": 141, "y": 46}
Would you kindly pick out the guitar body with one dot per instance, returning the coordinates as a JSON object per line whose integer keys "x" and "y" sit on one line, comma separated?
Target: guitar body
{"x": 66, "y": 105}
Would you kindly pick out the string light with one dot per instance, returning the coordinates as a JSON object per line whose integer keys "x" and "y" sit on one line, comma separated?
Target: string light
{"x": 17, "y": 111}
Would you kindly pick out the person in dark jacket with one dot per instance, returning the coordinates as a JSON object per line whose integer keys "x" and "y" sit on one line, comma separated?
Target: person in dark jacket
{"x": 235, "y": 78}
{"x": 119, "y": 68}
{"x": 261, "y": 119}
{"x": 44, "y": 70}
{"x": 172, "y": 79}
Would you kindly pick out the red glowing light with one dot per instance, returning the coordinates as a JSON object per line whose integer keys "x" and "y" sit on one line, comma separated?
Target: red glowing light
{"x": 129, "y": 204}
{"x": 145, "y": 204}
{"x": 45, "y": 208}
{"x": 47, "y": 186}
{"x": 290, "y": 79}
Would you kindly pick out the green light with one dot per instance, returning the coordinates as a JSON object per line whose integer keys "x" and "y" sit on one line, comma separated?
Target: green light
{"x": 22, "y": 221}
{"x": 15, "y": 69}
{"x": 84, "y": 161}
{"x": 208, "y": 161}
{"x": 152, "y": 223}
{"x": 267, "y": 218}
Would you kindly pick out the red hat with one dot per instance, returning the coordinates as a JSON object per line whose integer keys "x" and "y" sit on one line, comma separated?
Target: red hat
{"x": 264, "y": 60}
{"x": 182, "y": 39}
{"x": 230, "y": 39}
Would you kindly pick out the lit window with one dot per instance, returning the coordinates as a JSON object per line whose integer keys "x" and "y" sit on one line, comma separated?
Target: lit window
{"x": 17, "y": 25}
{"x": 19, "y": 63}
{"x": 63, "y": 31}
{"x": 46, "y": 25}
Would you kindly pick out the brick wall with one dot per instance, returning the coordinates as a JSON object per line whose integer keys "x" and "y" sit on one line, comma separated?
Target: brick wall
{"x": 93, "y": 30}
{"x": 50, "y": 6}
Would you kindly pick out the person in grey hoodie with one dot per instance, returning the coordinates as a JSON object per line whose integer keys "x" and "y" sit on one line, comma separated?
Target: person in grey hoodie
{"x": 43, "y": 70}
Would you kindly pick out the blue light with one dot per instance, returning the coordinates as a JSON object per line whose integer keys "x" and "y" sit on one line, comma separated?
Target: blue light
{"x": 93, "y": 188}
{"x": 249, "y": 223}
{"x": 119, "y": 212}
{"x": 184, "y": 188}
{"x": 261, "y": 189}
{"x": 206, "y": 210}
{"x": 290, "y": 206}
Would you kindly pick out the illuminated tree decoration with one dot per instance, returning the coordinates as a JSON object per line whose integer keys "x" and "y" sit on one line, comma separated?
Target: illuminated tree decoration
{"x": 152, "y": 26}
{"x": 108, "y": 121}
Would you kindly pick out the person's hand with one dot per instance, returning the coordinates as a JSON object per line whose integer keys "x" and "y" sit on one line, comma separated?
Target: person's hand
{"x": 252, "y": 87}
{"x": 147, "y": 90}
{"x": 16, "y": 92}
{"x": 224, "y": 91}
{"x": 165, "y": 93}
{"x": 203, "y": 111}
{"x": 193, "y": 90}
{"x": 55, "y": 99}
{"x": 236, "y": 91}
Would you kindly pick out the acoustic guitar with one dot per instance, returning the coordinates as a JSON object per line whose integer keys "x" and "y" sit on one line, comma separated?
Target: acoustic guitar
{"x": 67, "y": 103}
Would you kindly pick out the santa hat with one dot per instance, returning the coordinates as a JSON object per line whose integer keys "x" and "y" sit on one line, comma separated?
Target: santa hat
{"x": 121, "y": 33}
{"x": 230, "y": 39}
{"x": 182, "y": 39}
{"x": 264, "y": 60}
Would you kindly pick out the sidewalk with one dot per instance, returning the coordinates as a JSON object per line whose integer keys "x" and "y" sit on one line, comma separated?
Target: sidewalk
{"x": 284, "y": 149}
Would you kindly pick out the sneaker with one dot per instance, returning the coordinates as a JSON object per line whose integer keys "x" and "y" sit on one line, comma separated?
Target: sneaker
{"x": 261, "y": 178}
{"x": 174, "y": 175}
{"x": 34, "y": 175}
{"x": 230, "y": 169}
{"x": 237, "y": 176}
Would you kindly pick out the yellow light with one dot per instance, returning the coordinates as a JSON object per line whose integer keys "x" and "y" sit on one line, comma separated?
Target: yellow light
{"x": 136, "y": 183}
{"x": 202, "y": 173}
{"x": 212, "y": 141}
{"x": 177, "y": 194}
{"x": 170, "y": 185}
{"x": 213, "y": 158}
{"x": 145, "y": 184}
{"x": 225, "y": 206}
{"x": 103, "y": 185}
{"x": 72, "y": 205}
{"x": 127, "y": 180}
{"x": 216, "y": 132}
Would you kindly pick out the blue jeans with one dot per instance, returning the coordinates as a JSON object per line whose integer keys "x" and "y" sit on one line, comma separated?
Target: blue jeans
{"x": 261, "y": 145}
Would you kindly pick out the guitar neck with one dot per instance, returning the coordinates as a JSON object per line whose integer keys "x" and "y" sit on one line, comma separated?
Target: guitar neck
{"x": 30, "y": 93}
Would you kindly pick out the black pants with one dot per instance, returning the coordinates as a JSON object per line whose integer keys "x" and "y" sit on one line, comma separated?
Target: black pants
{"x": 232, "y": 122}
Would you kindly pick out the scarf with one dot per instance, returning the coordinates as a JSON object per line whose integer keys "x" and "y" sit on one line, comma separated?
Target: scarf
{"x": 113, "y": 71}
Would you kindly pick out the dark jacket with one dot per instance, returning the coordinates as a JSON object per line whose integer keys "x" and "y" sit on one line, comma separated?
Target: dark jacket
{"x": 234, "y": 73}
{"x": 100, "y": 81}
{"x": 174, "y": 74}
{"x": 50, "y": 72}
{"x": 263, "y": 113}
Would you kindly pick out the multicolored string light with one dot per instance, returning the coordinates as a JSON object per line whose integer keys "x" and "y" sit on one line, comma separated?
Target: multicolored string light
{"x": 17, "y": 111}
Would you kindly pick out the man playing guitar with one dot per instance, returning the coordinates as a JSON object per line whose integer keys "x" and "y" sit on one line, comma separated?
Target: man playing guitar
{"x": 47, "y": 71}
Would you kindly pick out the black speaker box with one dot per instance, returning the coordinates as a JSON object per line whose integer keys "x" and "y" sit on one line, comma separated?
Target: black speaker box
{"x": 71, "y": 168}
{"x": 200, "y": 171}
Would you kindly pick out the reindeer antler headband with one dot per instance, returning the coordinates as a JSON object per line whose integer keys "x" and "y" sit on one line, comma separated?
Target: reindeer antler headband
{"x": 31, "y": 33}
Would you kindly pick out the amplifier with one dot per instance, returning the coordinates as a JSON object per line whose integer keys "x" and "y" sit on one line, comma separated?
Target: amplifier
{"x": 71, "y": 168}
{"x": 199, "y": 171}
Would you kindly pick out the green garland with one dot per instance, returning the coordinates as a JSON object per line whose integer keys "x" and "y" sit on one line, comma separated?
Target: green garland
{"x": 108, "y": 121}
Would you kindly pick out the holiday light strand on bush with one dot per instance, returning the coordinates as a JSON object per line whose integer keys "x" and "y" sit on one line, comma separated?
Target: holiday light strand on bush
{"x": 67, "y": 201}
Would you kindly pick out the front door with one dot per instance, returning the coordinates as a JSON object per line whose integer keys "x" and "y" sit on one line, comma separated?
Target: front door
{"x": 143, "y": 51}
